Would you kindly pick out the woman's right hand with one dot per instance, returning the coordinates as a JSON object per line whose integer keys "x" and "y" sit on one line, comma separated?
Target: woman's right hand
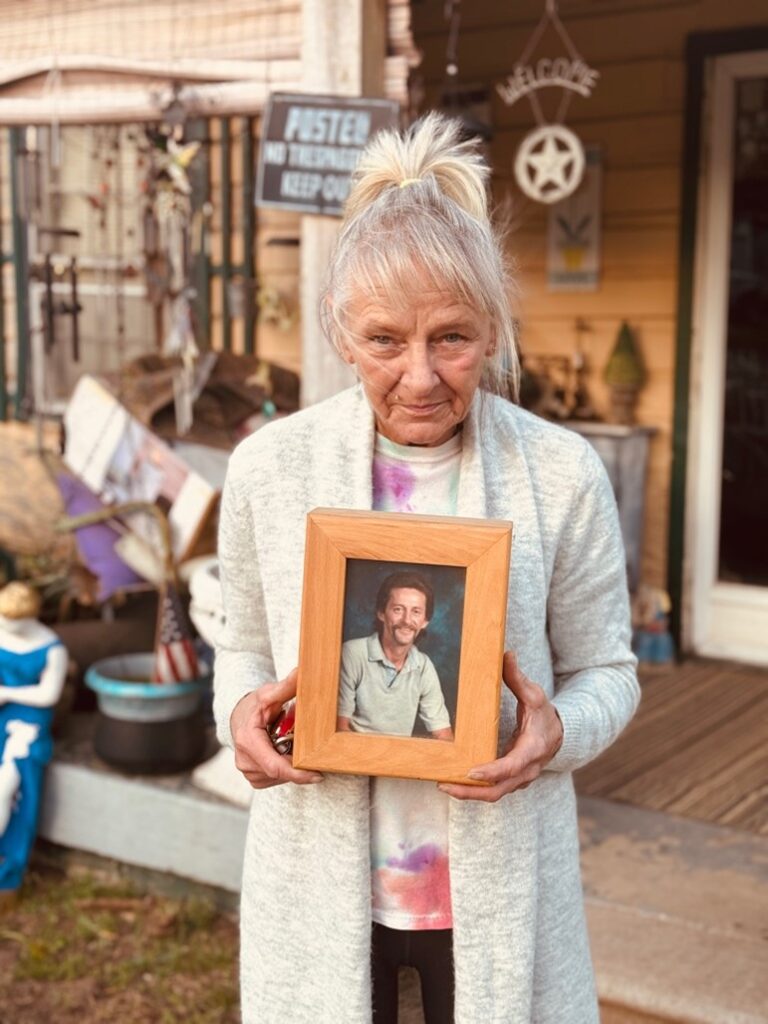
{"x": 255, "y": 756}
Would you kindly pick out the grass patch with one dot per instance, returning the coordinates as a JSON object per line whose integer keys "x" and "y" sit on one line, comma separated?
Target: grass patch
{"x": 176, "y": 957}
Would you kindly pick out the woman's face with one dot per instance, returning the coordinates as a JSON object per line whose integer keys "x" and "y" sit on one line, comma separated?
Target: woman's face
{"x": 420, "y": 362}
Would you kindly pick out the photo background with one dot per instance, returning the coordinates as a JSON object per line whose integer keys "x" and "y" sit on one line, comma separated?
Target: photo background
{"x": 442, "y": 640}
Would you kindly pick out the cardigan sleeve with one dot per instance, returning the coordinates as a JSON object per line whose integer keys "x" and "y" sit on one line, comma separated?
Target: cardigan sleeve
{"x": 595, "y": 682}
{"x": 243, "y": 652}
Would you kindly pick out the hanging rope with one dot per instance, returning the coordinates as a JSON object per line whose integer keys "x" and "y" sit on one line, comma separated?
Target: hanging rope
{"x": 453, "y": 17}
{"x": 551, "y": 17}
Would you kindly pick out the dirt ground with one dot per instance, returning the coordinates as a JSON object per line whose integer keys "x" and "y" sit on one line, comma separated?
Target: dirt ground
{"x": 79, "y": 949}
{"x": 84, "y": 947}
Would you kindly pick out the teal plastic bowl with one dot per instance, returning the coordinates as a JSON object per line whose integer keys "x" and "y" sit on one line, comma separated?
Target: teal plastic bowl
{"x": 122, "y": 693}
{"x": 145, "y": 727}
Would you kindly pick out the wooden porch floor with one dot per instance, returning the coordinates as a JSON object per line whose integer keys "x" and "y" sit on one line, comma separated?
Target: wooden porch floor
{"x": 698, "y": 747}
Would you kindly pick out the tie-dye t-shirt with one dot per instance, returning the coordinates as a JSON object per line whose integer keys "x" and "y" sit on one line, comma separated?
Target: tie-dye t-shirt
{"x": 409, "y": 818}
{"x": 422, "y": 480}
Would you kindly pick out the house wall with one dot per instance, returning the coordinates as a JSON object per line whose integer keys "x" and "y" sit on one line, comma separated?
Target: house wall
{"x": 636, "y": 116}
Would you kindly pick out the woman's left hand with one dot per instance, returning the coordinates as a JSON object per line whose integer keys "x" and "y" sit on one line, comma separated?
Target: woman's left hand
{"x": 536, "y": 740}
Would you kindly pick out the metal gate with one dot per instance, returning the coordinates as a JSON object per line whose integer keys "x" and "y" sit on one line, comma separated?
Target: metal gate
{"x": 78, "y": 277}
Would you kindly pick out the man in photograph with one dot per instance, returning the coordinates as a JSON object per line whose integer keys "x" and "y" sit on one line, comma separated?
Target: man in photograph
{"x": 386, "y": 681}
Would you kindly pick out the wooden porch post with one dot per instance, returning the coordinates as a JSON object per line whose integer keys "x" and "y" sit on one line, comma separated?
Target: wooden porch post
{"x": 342, "y": 52}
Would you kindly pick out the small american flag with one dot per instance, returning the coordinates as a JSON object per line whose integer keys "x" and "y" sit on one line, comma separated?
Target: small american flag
{"x": 175, "y": 657}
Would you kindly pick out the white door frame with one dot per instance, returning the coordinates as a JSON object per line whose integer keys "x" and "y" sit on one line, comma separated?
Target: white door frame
{"x": 719, "y": 619}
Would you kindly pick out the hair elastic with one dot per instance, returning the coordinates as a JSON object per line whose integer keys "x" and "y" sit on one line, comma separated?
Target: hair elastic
{"x": 408, "y": 181}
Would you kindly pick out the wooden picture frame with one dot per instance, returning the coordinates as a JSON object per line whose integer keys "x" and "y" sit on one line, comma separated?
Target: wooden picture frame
{"x": 478, "y": 550}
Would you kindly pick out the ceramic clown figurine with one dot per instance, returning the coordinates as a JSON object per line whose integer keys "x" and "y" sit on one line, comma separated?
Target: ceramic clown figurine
{"x": 33, "y": 667}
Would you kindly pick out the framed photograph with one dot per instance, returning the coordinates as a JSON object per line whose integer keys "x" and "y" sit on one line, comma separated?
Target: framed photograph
{"x": 402, "y": 639}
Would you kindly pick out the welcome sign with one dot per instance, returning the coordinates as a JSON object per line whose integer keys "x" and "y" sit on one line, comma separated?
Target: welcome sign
{"x": 310, "y": 146}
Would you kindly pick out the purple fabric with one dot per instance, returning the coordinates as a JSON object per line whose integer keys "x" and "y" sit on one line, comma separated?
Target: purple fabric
{"x": 96, "y": 543}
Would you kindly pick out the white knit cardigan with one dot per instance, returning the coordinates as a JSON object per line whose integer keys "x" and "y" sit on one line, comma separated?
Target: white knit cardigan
{"x": 520, "y": 942}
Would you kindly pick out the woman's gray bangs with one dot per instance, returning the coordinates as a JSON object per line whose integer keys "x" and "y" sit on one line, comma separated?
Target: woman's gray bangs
{"x": 408, "y": 263}
{"x": 416, "y": 254}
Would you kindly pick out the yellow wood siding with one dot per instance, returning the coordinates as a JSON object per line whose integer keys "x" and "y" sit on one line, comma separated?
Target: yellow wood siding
{"x": 636, "y": 116}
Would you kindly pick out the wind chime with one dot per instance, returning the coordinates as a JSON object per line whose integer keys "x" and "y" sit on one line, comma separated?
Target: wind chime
{"x": 549, "y": 164}
{"x": 167, "y": 221}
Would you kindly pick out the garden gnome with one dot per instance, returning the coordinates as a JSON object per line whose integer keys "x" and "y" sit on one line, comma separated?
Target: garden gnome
{"x": 33, "y": 667}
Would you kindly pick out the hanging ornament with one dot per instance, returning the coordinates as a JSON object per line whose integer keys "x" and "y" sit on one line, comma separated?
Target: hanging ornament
{"x": 549, "y": 163}
{"x": 453, "y": 17}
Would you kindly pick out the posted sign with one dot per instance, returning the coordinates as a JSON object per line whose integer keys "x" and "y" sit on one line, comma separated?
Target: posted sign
{"x": 310, "y": 146}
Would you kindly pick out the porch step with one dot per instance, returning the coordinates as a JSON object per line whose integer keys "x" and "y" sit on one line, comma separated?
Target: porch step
{"x": 678, "y": 917}
{"x": 164, "y": 824}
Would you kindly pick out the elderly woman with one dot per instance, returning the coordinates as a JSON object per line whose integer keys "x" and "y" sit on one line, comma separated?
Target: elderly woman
{"x": 345, "y": 877}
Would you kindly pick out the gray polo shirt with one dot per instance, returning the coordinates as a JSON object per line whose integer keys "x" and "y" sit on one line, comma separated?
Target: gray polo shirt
{"x": 376, "y": 697}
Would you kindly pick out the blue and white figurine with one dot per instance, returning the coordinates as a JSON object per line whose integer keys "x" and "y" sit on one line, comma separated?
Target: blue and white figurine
{"x": 33, "y": 667}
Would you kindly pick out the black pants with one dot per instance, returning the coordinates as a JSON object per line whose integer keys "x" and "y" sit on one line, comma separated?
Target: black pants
{"x": 430, "y": 953}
